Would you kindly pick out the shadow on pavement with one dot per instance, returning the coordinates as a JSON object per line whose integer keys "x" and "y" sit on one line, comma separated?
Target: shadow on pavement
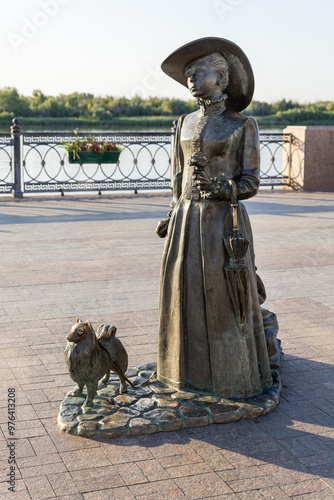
{"x": 298, "y": 435}
{"x": 84, "y": 209}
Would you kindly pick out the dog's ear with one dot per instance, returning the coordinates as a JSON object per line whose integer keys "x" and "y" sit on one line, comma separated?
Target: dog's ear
{"x": 89, "y": 324}
{"x": 78, "y": 320}
{"x": 112, "y": 330}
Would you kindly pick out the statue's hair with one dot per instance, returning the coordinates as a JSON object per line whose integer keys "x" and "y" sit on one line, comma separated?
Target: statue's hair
{"x": 218, "y": 63}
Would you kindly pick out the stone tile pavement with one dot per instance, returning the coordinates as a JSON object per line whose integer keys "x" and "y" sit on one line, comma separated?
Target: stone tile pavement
{"x": 98, "y": 258}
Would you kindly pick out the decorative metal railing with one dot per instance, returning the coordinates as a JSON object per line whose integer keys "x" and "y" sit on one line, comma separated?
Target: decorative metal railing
{"x": 275, "y": 158}
{"x": 6, "y": 166}
{"x": 35, "y": 163}
{"x": 143, "y": 164}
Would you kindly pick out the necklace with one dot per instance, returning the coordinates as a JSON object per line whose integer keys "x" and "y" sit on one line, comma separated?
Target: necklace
{"x": 209, "y": 102}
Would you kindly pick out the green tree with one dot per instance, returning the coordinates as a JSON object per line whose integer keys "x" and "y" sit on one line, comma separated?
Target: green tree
{"x": 258, "y": 108}
{"x": 52, "y": 107}
{"x": 12, "y": 102}
{"x": 37, "y": 99}
{"x": 284, "y": 105}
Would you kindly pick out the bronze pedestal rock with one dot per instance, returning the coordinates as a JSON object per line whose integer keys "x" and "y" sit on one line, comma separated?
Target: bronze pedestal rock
{"x": 154, "y": 407}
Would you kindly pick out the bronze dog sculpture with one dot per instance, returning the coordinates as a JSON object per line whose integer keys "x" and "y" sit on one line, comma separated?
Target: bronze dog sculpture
{"x": 89, "y": 357}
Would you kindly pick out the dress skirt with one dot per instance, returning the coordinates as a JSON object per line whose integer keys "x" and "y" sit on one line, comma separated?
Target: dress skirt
{"x": 201, "y": 344}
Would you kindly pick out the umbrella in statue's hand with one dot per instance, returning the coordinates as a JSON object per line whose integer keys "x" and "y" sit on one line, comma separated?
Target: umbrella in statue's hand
{"x": 237, "y": 271}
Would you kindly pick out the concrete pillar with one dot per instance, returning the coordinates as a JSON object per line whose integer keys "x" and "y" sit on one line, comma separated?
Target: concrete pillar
{"x": 311, "y": 153}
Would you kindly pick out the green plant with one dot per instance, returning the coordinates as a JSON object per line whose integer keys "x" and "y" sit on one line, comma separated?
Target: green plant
{"x": 89, "y": 143}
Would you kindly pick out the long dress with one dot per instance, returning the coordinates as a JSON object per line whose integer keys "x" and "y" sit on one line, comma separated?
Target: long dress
{"x": 202, "y": 346}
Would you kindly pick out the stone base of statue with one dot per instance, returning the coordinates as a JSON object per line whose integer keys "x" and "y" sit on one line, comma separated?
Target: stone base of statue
{"x": 155, "y": 407}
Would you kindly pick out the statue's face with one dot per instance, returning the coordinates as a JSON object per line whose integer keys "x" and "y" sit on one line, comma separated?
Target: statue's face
{"x": 202, "y": 80}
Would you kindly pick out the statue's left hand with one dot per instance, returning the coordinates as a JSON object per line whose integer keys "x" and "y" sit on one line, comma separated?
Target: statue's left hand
{"x": 203, "y": 181}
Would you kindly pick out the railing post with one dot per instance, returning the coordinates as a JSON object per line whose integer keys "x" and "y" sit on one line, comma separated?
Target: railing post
{"x": 290, "y": 159}
{"x": 15, "y": 130}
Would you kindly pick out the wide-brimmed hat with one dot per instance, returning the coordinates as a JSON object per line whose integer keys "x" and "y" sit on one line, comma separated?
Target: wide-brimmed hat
{"x": 240, "y": 88}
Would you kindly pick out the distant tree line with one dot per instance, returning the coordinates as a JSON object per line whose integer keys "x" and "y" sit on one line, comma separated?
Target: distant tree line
{"x": 292, "y": 111}
{"x": 88, "y": 106}
{"x": 82, "y": 105}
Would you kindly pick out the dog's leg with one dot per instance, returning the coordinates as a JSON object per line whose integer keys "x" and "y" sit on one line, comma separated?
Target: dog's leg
{"x": 122, "y": 386}
{"x": 91, "y": 392}
{"x": 106, "y": 378}
{"x": 78, "y": 390}
{"x": 122, "y": 377}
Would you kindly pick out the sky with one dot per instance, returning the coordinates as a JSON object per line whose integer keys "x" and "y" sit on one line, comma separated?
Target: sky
{"x": 115, "y": 47}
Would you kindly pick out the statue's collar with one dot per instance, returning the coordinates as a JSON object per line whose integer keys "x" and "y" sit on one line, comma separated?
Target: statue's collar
{"x": 214, "y": 106}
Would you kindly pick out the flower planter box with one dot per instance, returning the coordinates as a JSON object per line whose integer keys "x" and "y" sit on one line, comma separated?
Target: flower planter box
{"x": 92, "y": 157}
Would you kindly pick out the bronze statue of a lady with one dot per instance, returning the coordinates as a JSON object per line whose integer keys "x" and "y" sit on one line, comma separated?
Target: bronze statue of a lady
{"x": 202, "y": 344}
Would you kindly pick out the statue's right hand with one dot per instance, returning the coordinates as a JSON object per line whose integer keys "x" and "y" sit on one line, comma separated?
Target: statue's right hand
{"x": 162, "y": 228}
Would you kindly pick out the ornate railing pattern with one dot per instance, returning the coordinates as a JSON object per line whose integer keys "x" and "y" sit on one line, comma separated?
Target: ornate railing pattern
{"x": 144, "y": 163}
{"x": 6, "y": 165}
{"x": 275, "y": 154}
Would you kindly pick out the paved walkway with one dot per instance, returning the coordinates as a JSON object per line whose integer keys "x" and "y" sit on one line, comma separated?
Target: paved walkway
{"x": 98, "y": 258}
